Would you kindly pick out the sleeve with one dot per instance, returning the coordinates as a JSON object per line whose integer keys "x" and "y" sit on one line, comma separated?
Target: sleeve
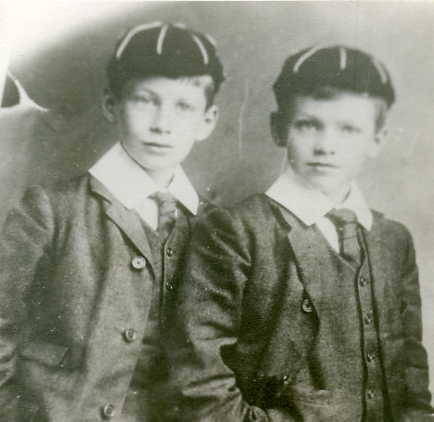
{"x": 209, "y": 310}
{"x": 25, "y": 236}
{"x": 416, "y": 371}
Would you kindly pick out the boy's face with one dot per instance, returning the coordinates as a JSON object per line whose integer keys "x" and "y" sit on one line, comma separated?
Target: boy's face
{"x": 160, "y": 119}
{"x": 329, "y": 140}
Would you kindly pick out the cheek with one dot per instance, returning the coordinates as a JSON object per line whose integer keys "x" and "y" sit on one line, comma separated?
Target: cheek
{"x": 185, "y": 146}
{"x": 359, "y": 150}
{"x": 136, "y": 116}
{"x": 354, "y": 162}
{"x": 187, "y": 128}
{"x": 298, "y": 147}
{"x": 130, "y": 124}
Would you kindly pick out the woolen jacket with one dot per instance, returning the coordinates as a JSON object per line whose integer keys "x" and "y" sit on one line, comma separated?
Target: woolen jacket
{"x": 249, "y": 309}
{"x": 76, "y": 274}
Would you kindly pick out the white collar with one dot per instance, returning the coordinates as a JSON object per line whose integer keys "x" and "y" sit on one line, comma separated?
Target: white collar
{"x": 130, "y": 183}
{"x": 310, "y": 205}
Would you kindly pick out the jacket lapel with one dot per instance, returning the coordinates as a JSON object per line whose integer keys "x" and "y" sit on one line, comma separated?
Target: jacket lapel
{"x": 304, "y": 243}
{"x": 383, "y": 270}
{"x": 127, "y": 221}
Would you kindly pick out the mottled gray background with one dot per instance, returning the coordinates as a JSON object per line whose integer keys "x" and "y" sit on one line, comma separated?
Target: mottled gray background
{"x": 62, "y": 50}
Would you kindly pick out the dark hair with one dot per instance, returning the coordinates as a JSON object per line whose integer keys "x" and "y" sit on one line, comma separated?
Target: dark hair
{"x": 172, "y": 51}
{"x": 325, "y": 72}
{"x": 326, "y": 92}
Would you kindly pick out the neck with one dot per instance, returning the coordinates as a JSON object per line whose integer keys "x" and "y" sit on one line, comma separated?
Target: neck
{"x": 162, "y": 178}
{"x": 338, "y": 196}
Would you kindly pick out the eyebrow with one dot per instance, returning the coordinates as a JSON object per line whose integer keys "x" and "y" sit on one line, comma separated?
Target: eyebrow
{"x": 305, "y": 116}
{"x": 144, "y": 91}
{"x": 348, "y": 122}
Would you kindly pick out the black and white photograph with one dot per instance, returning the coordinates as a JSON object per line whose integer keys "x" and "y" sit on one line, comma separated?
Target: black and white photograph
{"x": 216, "y": 211}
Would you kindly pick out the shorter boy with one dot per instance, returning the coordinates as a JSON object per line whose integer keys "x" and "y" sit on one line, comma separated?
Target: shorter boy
{"x": 88, "y": 268}
{"x": 302, "y": 304}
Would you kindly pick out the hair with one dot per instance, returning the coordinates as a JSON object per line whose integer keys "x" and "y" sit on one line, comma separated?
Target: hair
{"x": 187, "y": 54}
{"x": 118, "y": 76}
{"x": 327, "y": 92}
{"x": 324, "y": 72}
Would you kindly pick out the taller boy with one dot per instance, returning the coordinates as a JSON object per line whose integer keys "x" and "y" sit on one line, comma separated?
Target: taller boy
{"x": 302, "y": 304}
{"x": 88, "y": 268}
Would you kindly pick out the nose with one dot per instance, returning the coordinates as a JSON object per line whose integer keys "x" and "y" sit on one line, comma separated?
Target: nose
{"x": 325, "y": 143}
{"x": 162, "y": 120}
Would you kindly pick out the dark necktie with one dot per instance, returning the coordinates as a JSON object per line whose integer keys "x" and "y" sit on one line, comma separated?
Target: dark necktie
{"x": 345, "y": 221}
{"x": 167, "y": 212}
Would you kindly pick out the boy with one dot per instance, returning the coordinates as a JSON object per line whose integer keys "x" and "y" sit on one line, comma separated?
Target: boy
{"x": 88, "y": 268}
{"x": 301, "y": 304}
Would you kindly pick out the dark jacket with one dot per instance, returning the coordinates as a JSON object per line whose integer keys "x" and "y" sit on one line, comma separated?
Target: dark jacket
{"x": 249, "y": 311}
{"x": 76, "y": 275}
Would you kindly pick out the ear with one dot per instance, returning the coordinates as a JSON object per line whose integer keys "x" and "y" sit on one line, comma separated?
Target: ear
{"x": 379, "y": 141}
{"x": 108, "y": 106}
{"x": 209, "y": 122}
{"x": 279, "y": 128}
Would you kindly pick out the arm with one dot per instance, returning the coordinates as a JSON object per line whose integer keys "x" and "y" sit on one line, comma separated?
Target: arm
{"x": 25, "y": 235}
{"x": 418, "y": 395}
{"x": 210, "y": 301}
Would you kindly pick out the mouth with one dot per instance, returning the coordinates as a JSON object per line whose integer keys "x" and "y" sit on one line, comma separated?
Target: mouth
{"x": 157, "y": 146}
{"x": 321, "y": 165}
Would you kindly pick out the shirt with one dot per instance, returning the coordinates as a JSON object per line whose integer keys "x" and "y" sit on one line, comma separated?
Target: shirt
{"x": 311, "y": 205}
{"x": 131, "y": 185}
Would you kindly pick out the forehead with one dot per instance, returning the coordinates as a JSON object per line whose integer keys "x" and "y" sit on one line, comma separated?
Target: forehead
{"x": 342, "y": 106}
{"x": 164, "y": 86}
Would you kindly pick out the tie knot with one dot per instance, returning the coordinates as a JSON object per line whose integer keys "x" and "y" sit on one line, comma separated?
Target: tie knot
{"x": 342, "y": 216}
{"x": 167, "y": 212}
{"x": 164, "y": 198}
{"x": 347, "y": 228}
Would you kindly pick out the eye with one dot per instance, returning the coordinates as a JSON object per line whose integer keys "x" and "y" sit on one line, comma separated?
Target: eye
{"x": 350, "y": 129}
{"x": 144, "y": 99}
{"x": 184, "y": 106}
{"x": 306, "y": 125}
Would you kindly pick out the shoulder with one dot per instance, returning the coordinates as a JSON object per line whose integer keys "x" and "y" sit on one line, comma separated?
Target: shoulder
{"x": 205, "y": 206}
{"x": 65, "y": 188}
{"x": 42, "y": 208}
{"x": 255, "y": 208}
{"x": 56, "y": 197}
{"x": 395, "y": 233}
{"x": 251, "y": 215}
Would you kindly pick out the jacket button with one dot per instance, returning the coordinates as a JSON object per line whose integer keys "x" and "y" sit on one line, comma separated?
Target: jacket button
{"x": 363, "y": 281}
{"x": 260, "y": 374}
{"x": 370, "y": 394}
{"x": 170, "y": 252}
{"x": 170, "y": 286}
{"x": 138, "y": 262}
{"x": 108, "y": 411}
{"x": 307, "y": 306}
{"x": 370, "y": 357}
{"x": 367, "y": 319}
{"x": 130, "y": 334}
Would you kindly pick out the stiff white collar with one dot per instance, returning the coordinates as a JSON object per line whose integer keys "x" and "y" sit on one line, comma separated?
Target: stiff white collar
{"x": 311, "y": 205}
{"x": 130, "y": 184}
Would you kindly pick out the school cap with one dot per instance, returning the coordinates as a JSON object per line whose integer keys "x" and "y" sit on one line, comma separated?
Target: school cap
{"x": 336, "y": 66}
{"x": 171, "y": 50}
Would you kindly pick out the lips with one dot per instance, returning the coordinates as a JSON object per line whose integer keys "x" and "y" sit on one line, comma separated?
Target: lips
{"x": 157, "y": 145}
{"x": 321, "y": 164}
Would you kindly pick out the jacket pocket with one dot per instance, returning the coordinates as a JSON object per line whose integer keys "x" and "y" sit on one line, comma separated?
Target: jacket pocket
{"x": 28, "y": 412}
{"x": 321, "y": 405}
{"x": 52, "y": 355}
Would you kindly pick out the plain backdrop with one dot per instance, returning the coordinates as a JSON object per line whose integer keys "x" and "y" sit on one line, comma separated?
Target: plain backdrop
{"x": 60, "y": 51}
